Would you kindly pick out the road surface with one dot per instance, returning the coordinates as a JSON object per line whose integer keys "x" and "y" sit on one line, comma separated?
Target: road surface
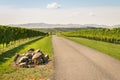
{"x": 77, "y": 62}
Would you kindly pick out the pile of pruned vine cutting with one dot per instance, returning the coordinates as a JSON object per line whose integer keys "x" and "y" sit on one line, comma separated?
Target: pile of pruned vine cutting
{"x": 30, "y": 59}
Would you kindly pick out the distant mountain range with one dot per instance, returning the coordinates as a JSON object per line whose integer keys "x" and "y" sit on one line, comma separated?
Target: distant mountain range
{"x": 44, "y": 25}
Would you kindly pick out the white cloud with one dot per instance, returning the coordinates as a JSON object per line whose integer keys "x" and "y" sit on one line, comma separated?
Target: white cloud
{"x": 53, "y": 5}
{"x": 92, "y": 14}
{"x": 13, "y": 15}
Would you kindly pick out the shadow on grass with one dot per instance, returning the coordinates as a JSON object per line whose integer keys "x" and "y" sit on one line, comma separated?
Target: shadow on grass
{"x": 10, "y": 53}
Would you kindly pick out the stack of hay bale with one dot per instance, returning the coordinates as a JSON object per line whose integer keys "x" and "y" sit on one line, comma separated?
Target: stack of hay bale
{"x": 31, "y": 58}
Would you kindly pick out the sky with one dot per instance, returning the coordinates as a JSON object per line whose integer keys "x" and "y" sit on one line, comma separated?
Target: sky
{"x": 105, "y": 12}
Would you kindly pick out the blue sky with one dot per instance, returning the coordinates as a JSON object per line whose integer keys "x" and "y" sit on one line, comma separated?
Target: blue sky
{"x": 64, "y": 3}
{"x": 105, "y": 12}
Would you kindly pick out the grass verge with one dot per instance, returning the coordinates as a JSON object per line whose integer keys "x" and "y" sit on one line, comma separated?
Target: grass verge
{"x": 104, "y": 47}
{"x": 42, "y": 72}
{"x": 12, "y": 45}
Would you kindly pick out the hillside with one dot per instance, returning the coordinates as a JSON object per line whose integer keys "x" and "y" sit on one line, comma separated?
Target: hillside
{"x": 45, "y": 25}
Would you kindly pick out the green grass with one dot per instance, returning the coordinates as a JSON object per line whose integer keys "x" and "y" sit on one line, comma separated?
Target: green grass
{"x": 45, "y": 45}
{"x": 7, "y": 57}
{"x": 107, "y": 48}
{"x": 9, "y": 73}
{"x": 17, "y": 43}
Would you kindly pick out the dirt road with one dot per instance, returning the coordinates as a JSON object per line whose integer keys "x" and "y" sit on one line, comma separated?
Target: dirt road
{"x": 76, "y": 62}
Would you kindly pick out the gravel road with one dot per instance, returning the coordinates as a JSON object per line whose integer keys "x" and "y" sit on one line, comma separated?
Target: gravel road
{"x": 77, "y": 62}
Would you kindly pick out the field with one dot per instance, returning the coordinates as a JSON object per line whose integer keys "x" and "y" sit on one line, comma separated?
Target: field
{"x": 104, "y": 40}
{"x": 41, "y": 72}
{"x": 56, "y": 29}
{"x": 103, "y": 34}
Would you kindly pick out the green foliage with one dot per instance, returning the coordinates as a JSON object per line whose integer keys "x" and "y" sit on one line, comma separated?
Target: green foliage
{"x": 108, "y": 35}
{"x": 8, "y": 34}
{"x": 55, "y": 30}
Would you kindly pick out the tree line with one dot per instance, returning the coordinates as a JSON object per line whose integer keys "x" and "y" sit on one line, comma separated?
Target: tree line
{"x": 105, "y": 34}
{"x": 8, "y": 34}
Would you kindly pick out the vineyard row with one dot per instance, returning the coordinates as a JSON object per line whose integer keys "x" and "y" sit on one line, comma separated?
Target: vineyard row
{"x": 108, "y": 35}
{"x": 8, "y": 34}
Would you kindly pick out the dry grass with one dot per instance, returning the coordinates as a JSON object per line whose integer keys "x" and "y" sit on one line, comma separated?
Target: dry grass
{"x": 41, "y": 72}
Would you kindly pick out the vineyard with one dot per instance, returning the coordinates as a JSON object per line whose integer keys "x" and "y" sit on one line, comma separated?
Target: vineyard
{"x": 9, "y": 35}
{"x": 107, "y": 35}
{"x": 15, "y": 40}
